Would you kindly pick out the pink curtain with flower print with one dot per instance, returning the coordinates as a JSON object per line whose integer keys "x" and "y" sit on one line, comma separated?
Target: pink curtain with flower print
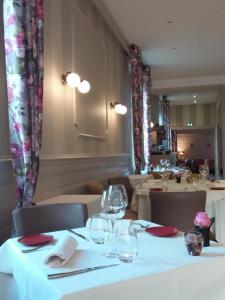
{"x": 137, "y": 105}
{"x": 141, "y": 83}
{"x": 166, "y": 120}
{"x": 147, "y": 114}
{"x": 23, "y": 30}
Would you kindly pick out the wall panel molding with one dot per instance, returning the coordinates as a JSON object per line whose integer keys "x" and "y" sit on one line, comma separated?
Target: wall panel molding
{"x": 69, "y": 174}
{"x": 64, "y": 174}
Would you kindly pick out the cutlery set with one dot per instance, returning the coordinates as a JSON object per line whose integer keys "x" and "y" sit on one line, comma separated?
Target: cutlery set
{"x": 81, "y": 271}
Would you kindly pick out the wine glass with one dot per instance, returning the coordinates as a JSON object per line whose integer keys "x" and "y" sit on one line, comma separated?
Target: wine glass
{"x": 98, "y": 228}
{"x": 113, "y": 207}
{"x": 204, "y": 171}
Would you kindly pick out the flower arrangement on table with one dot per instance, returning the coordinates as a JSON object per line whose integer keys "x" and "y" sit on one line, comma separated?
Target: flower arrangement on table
{"x": 202, "y": 224}
{"x": 178, "y": 177}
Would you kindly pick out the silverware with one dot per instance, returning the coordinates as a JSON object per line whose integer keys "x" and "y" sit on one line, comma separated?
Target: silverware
{"x": 142, "y": 226}
{"x": 33, "y": 249}
{"x": 81, "y": 271}
{"x": 78, "y": 234}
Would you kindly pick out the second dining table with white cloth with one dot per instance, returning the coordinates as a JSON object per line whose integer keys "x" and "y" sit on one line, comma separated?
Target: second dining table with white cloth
{"x": 162, "y": 270}
{"x": 215, "y": 202}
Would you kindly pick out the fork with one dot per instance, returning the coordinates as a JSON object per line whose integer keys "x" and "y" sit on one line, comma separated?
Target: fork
{"x": 142, "y": 226}
{"x": 38, "y": 247}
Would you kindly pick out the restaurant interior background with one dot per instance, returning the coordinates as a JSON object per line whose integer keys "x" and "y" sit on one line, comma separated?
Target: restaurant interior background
{"x": 83, "y": 137}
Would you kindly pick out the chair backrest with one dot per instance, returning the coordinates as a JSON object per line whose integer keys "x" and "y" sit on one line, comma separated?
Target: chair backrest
{"x": 124, "y": 181}
{"x": 176, "y": 209}
{"x": 94, "y": 188}
{"x": 49, "y": 217}
{"x": 157, "y": 175}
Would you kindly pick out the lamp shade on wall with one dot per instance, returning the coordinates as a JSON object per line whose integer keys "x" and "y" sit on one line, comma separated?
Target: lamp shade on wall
{"x": 120, "y": 109}
{"x": 84, "y": 87}
{"x": 72, "y": 79}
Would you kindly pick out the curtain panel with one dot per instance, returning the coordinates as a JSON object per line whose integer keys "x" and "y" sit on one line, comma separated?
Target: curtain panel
{"x": 166, "y": 120}
{"x": 23, "y": 33}
{"x": 147, "y": 114}
{"x": 140, "y": 83}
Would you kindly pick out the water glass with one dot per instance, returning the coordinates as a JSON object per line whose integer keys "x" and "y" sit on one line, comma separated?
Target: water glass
{"x": 126, "y": 241}
{"x": 99, "y": 229}
{"x": 193, "y": 241}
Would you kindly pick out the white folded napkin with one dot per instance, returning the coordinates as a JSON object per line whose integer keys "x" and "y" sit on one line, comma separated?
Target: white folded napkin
{"x": 62, "y": 252}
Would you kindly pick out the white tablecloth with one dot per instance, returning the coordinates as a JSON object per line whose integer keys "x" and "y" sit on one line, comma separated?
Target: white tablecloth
{"x": 136, "y": 179}
{"x": 162, "y": 270}
{"x": 215, "y": 204}
{"x": 93, "y": 201}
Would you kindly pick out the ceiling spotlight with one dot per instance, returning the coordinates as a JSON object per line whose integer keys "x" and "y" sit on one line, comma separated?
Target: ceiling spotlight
{"x": 194, "y": 96}
{"x": 195, "y": 101}
{"x": 84, "y": 87}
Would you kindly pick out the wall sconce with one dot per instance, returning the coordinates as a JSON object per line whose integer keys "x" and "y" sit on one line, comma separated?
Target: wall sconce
{"x": 74, "y": 81}
{"x": 152, "y": 125}
{"x": 119, "y": 108}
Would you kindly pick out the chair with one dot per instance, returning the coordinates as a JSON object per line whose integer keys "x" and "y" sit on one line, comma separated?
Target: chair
{"x": 124, "y": 181}
{"x": 49, "y": 217}
{"x": 177, "y": 209}
{"x": 157, "y": 175}
{"x": 94, "y": 188}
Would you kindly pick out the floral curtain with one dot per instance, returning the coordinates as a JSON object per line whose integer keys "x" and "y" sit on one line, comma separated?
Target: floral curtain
{"x": 137, "y": 105}
{"x": 174, "y": 140}
{"x": 147, "y": 114}
{"x": 23, "y": 30}
{"x": 166, "y": 120}
{"x": 140, "y": 77}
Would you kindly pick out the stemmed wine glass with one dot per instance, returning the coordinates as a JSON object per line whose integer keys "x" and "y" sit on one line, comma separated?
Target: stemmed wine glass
{"x": 113, "y": 206}
{"x": 204, "y": 171}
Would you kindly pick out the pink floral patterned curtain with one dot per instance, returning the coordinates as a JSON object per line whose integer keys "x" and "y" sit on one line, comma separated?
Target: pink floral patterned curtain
{"x": 174, "y": 140}
{"x": 140, "y": 77}
{"x": 147, "y": 114}
{"x": 23, "y": 30}
{"x": 166, "y": 120}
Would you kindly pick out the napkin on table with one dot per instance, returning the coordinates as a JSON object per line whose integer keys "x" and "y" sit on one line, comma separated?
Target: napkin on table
{"x": 62, "y": 252}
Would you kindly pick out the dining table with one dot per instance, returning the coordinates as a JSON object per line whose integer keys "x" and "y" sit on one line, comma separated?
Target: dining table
{"x": 215, "y": 201}
{"x": 163, "y": 269}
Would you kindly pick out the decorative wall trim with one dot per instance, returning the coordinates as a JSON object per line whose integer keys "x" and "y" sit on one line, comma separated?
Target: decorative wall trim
{"x": 70, "y": 174}
{"x": 65, "y": 174}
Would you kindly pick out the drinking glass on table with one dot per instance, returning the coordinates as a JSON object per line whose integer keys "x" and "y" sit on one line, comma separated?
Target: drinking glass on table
{"x": 113, "y": 206}
{"x": 99, "y": 228}
{"x": 126, "y": 241}
{"x": 204, "y": 171}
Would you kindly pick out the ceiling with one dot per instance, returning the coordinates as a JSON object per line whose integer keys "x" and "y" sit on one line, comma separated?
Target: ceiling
{"x": 178, "y": 39}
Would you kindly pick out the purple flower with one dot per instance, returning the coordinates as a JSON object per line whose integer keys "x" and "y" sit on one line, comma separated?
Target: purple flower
{"x": 15, "y": 150}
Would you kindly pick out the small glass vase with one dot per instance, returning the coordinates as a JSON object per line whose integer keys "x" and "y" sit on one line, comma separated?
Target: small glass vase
{"x": 205, "y": 232}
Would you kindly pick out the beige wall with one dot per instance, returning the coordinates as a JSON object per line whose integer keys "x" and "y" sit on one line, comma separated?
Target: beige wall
{"x": 60, "y": 136}
{"x": 200, "y": 115}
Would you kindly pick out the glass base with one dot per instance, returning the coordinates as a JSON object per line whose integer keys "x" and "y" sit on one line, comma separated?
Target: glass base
{"x": 111, "y": 254}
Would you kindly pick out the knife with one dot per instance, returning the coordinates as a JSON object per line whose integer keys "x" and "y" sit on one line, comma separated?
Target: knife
{"x": 81, "y": 271}
{"x": 78, "y": 234}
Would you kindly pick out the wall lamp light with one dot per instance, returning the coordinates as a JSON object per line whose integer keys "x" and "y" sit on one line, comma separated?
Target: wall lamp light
{"x": 74, "y": 81}
{"x": 119, "y": 108}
